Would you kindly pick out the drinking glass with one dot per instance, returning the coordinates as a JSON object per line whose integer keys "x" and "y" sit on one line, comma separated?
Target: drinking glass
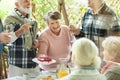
{"x": 9, "y": 29}
{"x": 62, "y": 70}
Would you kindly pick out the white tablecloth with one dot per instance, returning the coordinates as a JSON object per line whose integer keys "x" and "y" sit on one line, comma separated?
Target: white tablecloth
{"x": 37, "y": 77}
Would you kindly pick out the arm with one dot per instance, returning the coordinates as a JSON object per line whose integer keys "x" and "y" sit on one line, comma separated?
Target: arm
{"x": 116, "y": 30}
{"x": 5, "y": 37}
{"x": 12, "y": 24}
{"x": 43, "y": 46}
{"x": 76, "y": 31}
{"x": 115, "y": 24}
{"x": 22, "y": 30}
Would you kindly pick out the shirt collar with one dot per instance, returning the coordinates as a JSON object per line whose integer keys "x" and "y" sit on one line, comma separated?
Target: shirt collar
{"x": 97, "y": 12}
{"x": 19, "y": 14}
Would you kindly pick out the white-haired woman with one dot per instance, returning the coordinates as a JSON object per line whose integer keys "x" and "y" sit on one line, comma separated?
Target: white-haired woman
{"x": 86, "y": 60}
{"x": 111, "y": 52}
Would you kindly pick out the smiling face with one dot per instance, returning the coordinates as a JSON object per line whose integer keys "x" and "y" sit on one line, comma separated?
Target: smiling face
{"x": 54, "y": 26}
{"x": 52, "y": 19}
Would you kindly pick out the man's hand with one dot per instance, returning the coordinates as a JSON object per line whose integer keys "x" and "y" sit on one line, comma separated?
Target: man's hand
{"x": 23, "y": 29}
{"x": 5, "y": 37}
{"x": 74, "y": 30}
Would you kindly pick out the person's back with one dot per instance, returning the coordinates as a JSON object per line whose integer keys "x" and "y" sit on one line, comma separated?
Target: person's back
{"x": 111, "y": 52}
{"x": 84, "y": 74}
{"x": 86, "y": 61}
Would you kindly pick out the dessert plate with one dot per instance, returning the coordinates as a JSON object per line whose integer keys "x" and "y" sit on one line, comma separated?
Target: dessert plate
{"x": 43, "y": 62}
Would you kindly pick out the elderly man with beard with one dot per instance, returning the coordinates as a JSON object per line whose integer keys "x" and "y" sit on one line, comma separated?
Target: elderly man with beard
{"x": 23, "y": 49}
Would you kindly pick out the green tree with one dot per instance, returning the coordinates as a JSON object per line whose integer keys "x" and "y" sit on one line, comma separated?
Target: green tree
{"x": 75, "y": 9}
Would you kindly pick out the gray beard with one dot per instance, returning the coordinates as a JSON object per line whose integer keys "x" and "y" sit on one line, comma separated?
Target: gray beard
{"x": 25, "y": 10}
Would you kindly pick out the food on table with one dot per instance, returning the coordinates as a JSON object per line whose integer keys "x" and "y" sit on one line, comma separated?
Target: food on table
{"x": 47, "y": 78}
{"x": 62, "y": 73}
{"x": 44, "y": 59}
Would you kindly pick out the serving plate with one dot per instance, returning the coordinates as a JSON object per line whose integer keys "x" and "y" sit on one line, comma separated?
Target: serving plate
{"x": 43, "y": 62}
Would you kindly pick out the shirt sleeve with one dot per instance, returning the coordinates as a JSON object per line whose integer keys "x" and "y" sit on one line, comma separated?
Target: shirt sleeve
{"x": 13, "y": 38}
{"x": 43, "y": 48}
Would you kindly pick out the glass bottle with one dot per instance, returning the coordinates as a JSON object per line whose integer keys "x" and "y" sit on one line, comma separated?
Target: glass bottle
{"x": 62, "y": 70}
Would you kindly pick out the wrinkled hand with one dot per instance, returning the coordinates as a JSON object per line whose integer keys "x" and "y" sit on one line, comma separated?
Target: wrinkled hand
{"x": 25, "y": 28}
{"x": 74, "y": 30}
{"x": 5, "y": 37}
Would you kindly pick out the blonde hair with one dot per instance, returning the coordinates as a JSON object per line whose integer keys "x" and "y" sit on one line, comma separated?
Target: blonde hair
{"x": 112, "y": 45}
{"x": 85, "y": 53}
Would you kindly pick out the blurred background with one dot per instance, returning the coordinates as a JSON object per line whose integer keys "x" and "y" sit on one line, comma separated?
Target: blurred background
{"x": 74, "y": 9}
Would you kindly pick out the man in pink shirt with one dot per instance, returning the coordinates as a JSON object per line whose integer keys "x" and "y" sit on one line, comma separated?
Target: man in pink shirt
{"x": 56, "y": 40}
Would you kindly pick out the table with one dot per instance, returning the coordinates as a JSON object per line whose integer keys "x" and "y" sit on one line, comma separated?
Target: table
{"x": 42, "y": 74}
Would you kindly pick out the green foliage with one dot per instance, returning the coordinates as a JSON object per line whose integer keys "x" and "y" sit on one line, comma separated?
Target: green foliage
{"x": 5, "y": 7}
{"x": 2, "y": 14}
{"x": 75, "y": 9}
{"x": 42, "y": 7}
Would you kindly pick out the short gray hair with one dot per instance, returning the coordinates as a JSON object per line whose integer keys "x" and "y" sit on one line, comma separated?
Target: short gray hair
{"x": 85, "y": 53}
{"x": 112, "y": 45}
{"x": 55, "y": 15}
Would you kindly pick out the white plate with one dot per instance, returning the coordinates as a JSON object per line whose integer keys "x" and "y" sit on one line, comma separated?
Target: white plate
{"x": 43, "y": 63}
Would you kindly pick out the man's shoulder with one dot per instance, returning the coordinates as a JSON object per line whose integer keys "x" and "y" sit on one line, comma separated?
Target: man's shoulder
{"x": 10, "y": 14}
{"x": 107, "y": 10}
{"x": 11, "y": 18}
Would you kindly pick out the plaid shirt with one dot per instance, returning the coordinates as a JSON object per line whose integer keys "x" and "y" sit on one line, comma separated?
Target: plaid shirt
{"x": 18, "y": 55}
{"x": 98, "y": 26}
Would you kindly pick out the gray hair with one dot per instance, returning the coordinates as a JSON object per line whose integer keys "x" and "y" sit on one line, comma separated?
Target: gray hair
{"x": 112, "y": 45}
{"x": 55, "y": 15}
{"x": 85, "y": 53}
